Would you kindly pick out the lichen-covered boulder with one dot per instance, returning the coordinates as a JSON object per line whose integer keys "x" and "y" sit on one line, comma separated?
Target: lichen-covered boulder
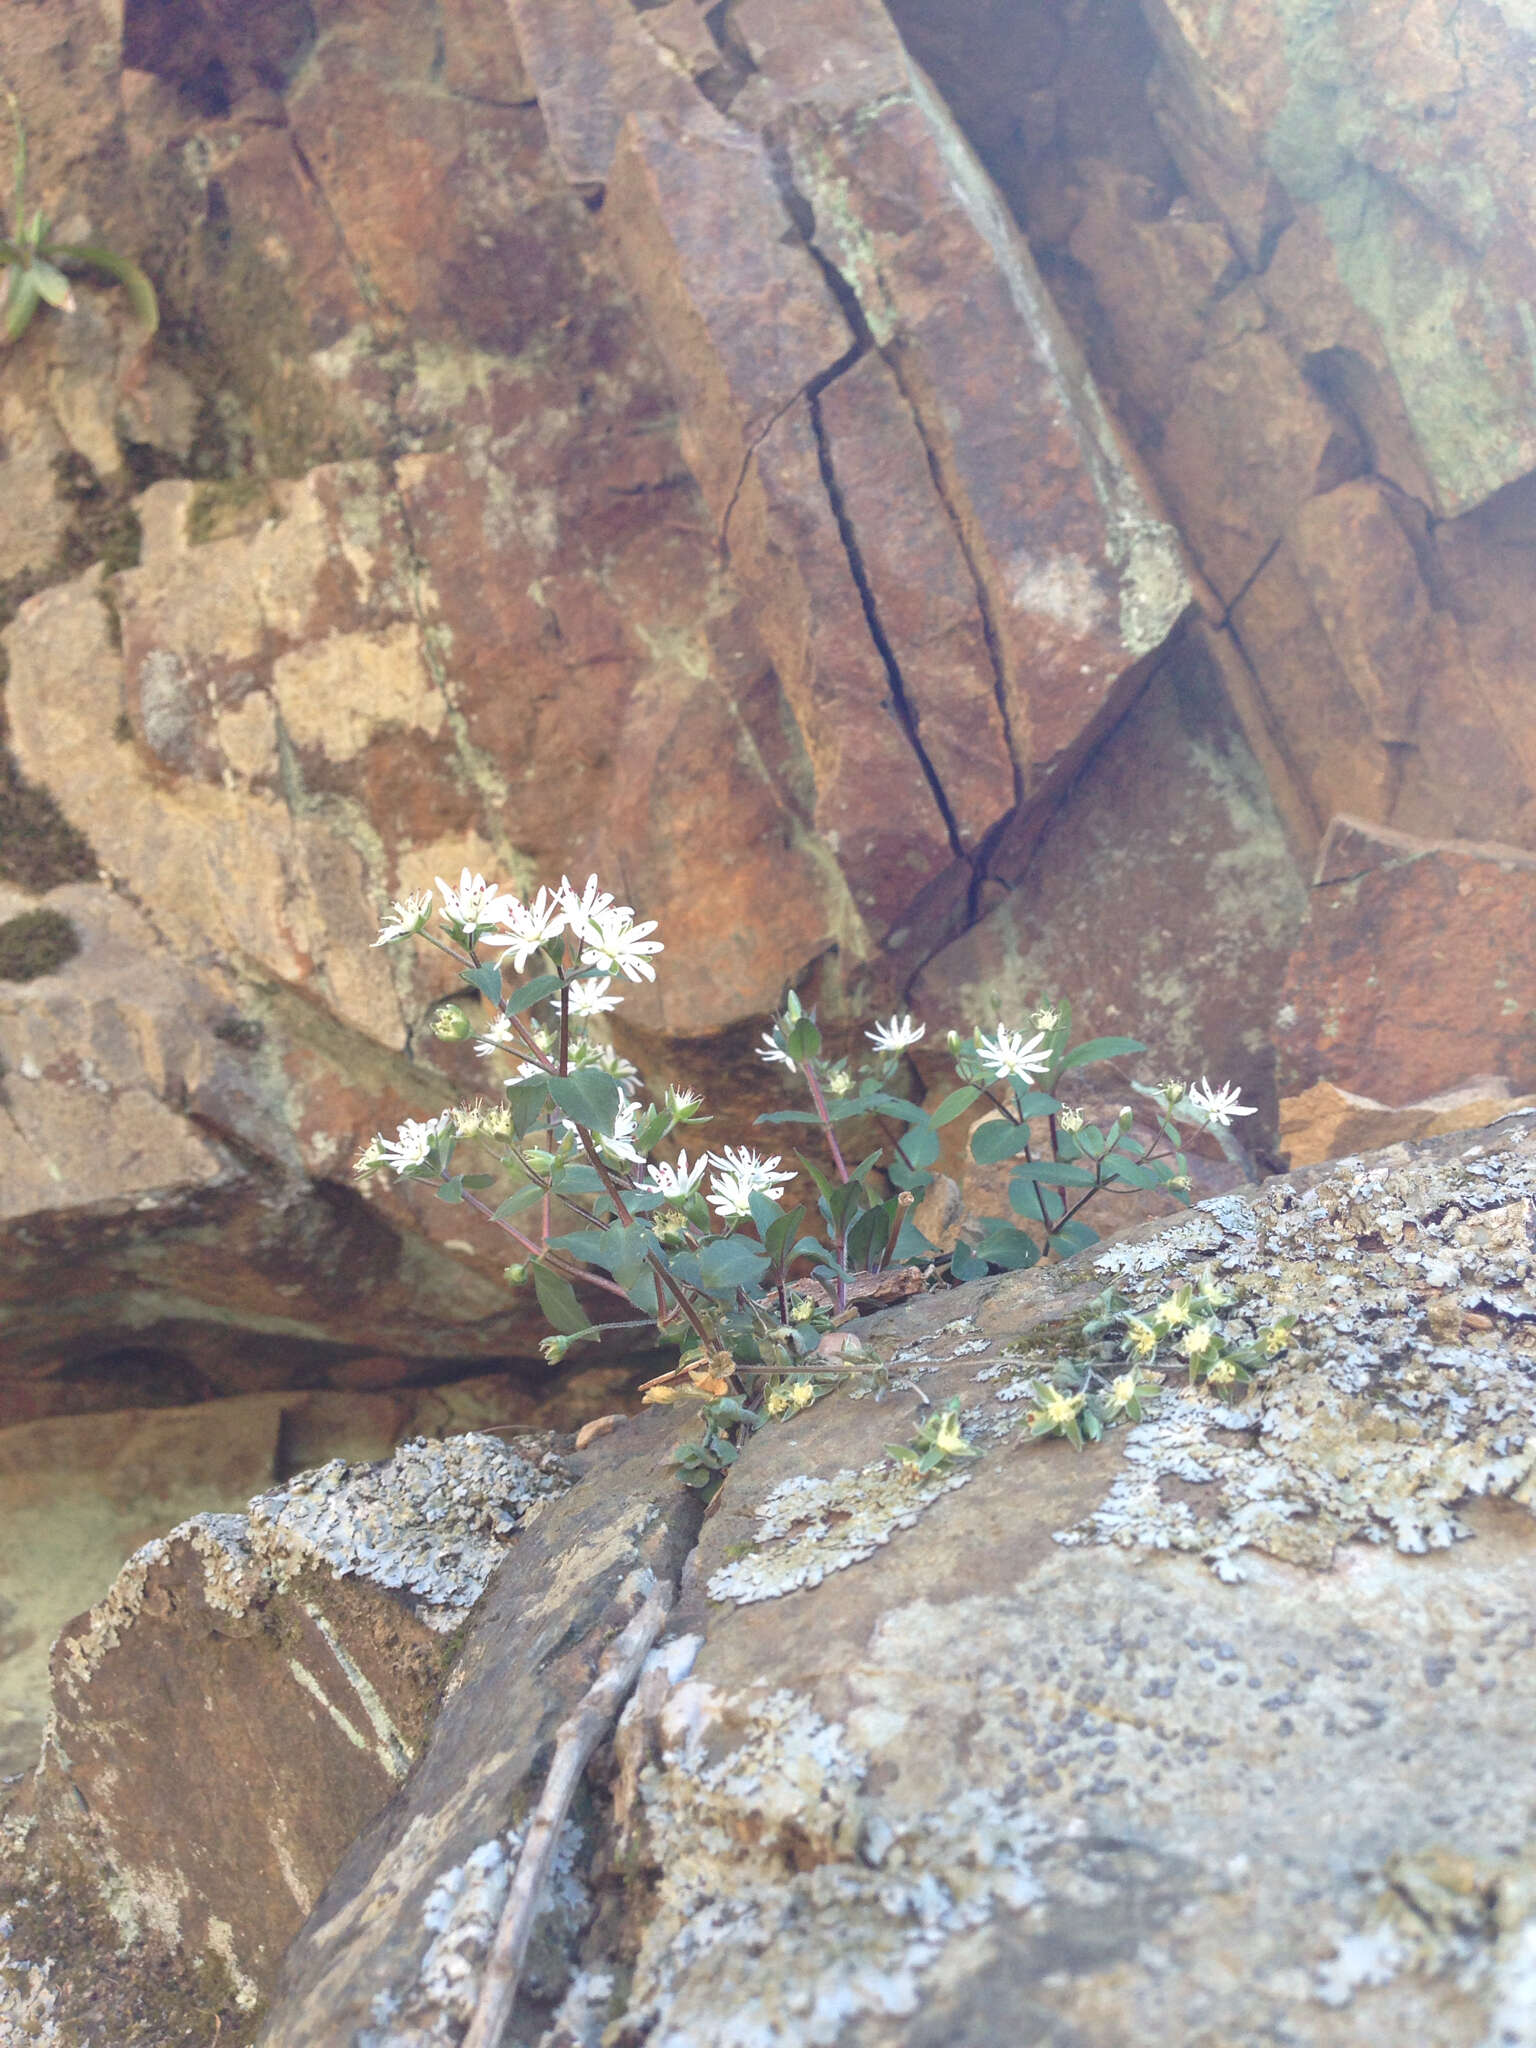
{"x": 1217, "y": 1732}
{"x": 253, "y": 1688}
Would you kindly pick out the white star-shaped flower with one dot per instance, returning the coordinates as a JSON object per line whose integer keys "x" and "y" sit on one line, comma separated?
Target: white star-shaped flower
{"x": 896, "y": 1035}
{"x": 475, "y": 906}
{"x": 1012, "y": 1056}
{"x": 1218, "y": 1105}
{"x": 409, "y": 915}
{"x": 677, "y": 1182}
{"x": 741, "y": 1173}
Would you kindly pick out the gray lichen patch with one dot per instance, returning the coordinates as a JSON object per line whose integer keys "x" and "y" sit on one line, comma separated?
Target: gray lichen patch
{"x": 432, "y": 1523}
{"x": 808, "y": 1527}
{"x": 1411, "y": 1386}
{"x": 776, "y": 1848}
{"x": 461, "y": 1914}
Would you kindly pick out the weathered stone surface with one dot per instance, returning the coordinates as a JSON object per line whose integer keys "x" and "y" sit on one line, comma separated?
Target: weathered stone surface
{"x": 1325, "y": 1122}
{"x": 1045, "y": 1739}
{"x": 1414, "y": 968}
{"x": 80, "y": 1492}
{"x": 323, "y": 1618}
{"x": 1126, "y": 904}
{"x": 1401, "y": 138}
{"x": 368, "y": 1957}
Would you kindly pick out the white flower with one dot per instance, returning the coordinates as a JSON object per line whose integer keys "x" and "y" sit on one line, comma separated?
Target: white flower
{"x": 619, "y": 1143}
{"x": 497, "y": 1036}
{"x": 740, "y": 1174}
{"x": 370, "y": 1159}
{"x": 677, "y": 1182}
{"x": 1047, "y": 1017}
{"x": 581, "y": 912}
{"x": 895, "y": 1036}
{"x": 530, "y": 926}
{"x": 1012, "y": 1056}
{"x": 620, "y": 946}
{"x": 475, "y": 906}
{"x": 590, "y": 998}
{"x": 585, "y": 1052}
{"x": 1071, "y": 1119}
{"x": 681, "y": 1103}
{"x": 412, "y": 1142}
{"x": 407, "y": 916}
{"x": 772, "y": 1051}
{"x": 1218, "y": 1105}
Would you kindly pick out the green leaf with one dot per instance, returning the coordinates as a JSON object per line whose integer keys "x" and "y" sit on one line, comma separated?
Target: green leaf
{"x": 956, "y": 1103}
{"x": 1100, "y": 1049}
{"x": 527, "y": 1100}
{"x": 623, "y": 1249}
{"x": 1005, "y": 1246}
{"x": 589, "y": 1096}
{"x": 915, "y": 1178}
{"x": 869, "y": 1237}
{"x": 919, "y": 1148}
{"x": 1053, "y": 1173}
{"x": 141, "y": 293}
{"x": 479, "y": 1180}
{"x": 1118, "y": 1168}
{"x": 449, "y": 1190}
{"x": 875, "y": 1102}
{"x": 997, "y": 1140}
{"x": 1073, "y": 1237}
{"x": 488, "y": 981}
{"x": 557, "y": 1298}
{"x": 1033, "y": 1102}
{"x": 780, "y": 1232}
{"x": 726, "y": 1263}
{"x": 824, "y": 1186}
{"x": 20, "y": 304}
{"x": 53, "y": 285}
{"x": 787, "y": 1116}
{"x": 523, "y": 1198}
{"x": 538, "y": 990}
{"x": 577, "y": 1180}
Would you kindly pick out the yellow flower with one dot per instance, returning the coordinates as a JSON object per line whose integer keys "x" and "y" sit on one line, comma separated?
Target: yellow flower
{"x": 1123, "y": 1391}
{"x": 1140, "y": 1337}
{"x": 800, "y": 1394}
{"x": 1222, "y": 1373}
{"x": 1212, "y": 1290}
{"x": 1173, "y": 1313}
{"x": 1060, "y": 1409}
{"x": 1197, "y": 1342}
{"x": 1276, "y": 1340}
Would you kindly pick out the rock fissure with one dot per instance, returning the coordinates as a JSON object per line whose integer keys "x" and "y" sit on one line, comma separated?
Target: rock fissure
{"x": 900, "y": 703}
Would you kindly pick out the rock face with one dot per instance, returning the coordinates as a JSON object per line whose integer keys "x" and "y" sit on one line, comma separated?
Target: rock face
{"x": 765, "y": 454}
{"x": 1031, "y": 1749}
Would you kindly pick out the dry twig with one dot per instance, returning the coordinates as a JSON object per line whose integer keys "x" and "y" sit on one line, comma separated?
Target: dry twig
{"x": 577, "y": 1738}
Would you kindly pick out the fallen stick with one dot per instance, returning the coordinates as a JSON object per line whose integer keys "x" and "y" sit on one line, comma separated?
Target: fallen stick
{"x": 577, "y": 1737}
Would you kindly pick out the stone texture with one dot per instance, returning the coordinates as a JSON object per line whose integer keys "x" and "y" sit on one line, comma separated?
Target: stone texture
{"x": 1126, "y": 905}
{"x": 326, "y": 1612}
{"x": 80, "y": 1492}
{"x": 1414, "y": 968}
{"x": 1325, "y": 1122}
{"x": 1044, "y": 1740}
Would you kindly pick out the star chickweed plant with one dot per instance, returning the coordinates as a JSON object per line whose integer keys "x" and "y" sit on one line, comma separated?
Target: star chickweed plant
{"x": 594, "y": 1189}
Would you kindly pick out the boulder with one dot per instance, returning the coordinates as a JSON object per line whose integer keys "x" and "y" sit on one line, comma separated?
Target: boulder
{"x": 1042, "y": 1739}
{"x": 1414, "y": 968}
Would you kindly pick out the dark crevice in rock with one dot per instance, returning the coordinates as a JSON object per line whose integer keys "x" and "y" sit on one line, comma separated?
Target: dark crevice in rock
{"x": 900, "y": 702}
{"x": 1230, "y": 605}
{"x": 982, "y": 853}
{"x": 367, "y": 290}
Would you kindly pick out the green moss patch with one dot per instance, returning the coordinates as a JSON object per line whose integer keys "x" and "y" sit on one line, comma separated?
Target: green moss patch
{"x": 36, "y": 943}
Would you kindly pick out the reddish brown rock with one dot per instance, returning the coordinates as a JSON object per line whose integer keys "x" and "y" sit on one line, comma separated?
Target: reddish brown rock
{"x": 1415, "y": 969}
{"x": 1325, "y": 1122}
{"x": 254, "y": 1687}
{"x": 1127, "y": 904}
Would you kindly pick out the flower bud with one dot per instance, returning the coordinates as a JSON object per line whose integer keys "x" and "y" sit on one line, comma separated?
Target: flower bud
{"x": 448, "y": 1021}
{"x": 515, "y": 1276}
{"x": 539, "y": 1161}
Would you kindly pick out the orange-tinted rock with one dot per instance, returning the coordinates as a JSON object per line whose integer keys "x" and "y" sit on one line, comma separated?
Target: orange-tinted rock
{"x": 1416, "y": 968}
{"x": 1245, "y": 447}
{"x": 1403, "y": 133}
{"x": 1325, "y": 1122}
{"x": 1127, "y": 904}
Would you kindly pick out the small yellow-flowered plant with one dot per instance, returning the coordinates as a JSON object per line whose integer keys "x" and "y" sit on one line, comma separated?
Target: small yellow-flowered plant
{"x": 1083, "y": 1398}
{"x": 940, "y": 1442}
